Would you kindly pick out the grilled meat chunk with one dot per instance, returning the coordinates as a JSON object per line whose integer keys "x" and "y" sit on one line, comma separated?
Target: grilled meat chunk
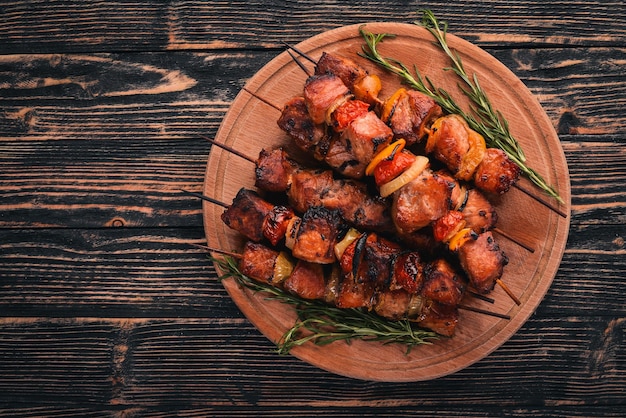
{"x": 478, "y": 212}
{"x": 357, "y": 207}
{"x": 451, "y": 141}
{"x": 398, "y": 304}
{"x": 443, "y": 283}
{"x": 439, "y": 317}
{"x": 257, "y": 262}
{"x": 483, "y": 261}
{"x": 364, "y": 86}
{"x": 344, "y": 68}
{"x": 393, "y": 304}
{"x": 274, "y": 170}
{"x": 363, "y": 138}
{"x": 247, "y": 214}
{"x": 496, "y": 173}
{"x": 319, "y": 230}
{"x": 322, "y": 93}
{"x": 407, "y": 112}
{"x": 420, "y": 202}
{"x": 276, "y": 222}
{"x": 306, "y": 280}
{"x": 297, "y": 122}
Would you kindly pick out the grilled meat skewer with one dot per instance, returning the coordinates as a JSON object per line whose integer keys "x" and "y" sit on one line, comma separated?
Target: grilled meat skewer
{"x": 311, "y": 237}
{"x": 276, "y": 172}
{"x": 311, "y": 281}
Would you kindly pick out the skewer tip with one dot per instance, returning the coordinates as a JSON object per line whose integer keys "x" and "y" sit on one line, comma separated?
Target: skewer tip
{"x": 508, "y": 291}
{"x": 541, "y": 200}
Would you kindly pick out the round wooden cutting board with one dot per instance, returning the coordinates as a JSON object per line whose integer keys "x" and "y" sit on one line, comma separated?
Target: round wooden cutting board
{"x": 250, "y": 125}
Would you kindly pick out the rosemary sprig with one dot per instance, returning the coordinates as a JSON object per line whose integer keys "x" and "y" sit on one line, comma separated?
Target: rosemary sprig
{"x": 490, "y": 123}
{"x": 323, "y": 324}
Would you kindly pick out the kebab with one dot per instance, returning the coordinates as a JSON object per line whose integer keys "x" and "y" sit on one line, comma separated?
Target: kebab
{"x": 383, "y": 277}
{"x": 319, "y": 236}
{"x": 304, "y": 187}
{"x": 373, "y": 273}
{"x": 310, "y": 237}
{"x": 297, "y": 121}
{"x": 419, "y": 200}
{"x": 310, "y": 281}
{"x": 429, "y": 197}
{"x": 410, "y": 115}
{"x": 429, "y": 298}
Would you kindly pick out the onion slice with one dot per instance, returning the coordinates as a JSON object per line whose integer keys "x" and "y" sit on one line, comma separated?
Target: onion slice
{"x": 348, "y": 239}
{"x": 409, "y": 175}
{"x": 283, "y": 266}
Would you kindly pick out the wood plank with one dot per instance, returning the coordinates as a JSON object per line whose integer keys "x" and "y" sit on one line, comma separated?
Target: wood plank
{"x": 226, "y": 365}
{"x": 127, "y": 96}
{"x": 183, "y": 95}
{"x": 117, "y": 272}
{"x": 134, "y": 272}
{"x": 148, "y": 26}
{"x": 96, "y": 184}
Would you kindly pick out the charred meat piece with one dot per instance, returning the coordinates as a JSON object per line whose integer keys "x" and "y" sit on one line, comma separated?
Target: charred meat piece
{"x": 364, "y": 137}
{"x": 257, "y": 262}
{"x": 443, "y": 283}
{"x": 420, "y": 202}
{"x": 322, "y": 94}
{"x": 319, "y": 230}
{"x": 496, "y": 173}
{"x": 306, "y": 280}
{"x": 406, "y": 112}
{"x": 340, "y": 157}
{"x": 346, "y": 69}
{"x": 393, "y": 304}
{"x": 274, "y": 170}
{"x": 247, "y": 214}
{"x": 483, "y": 261}
{"x": 309, "y": 187}
{"x": 364, "y": 86}
{"x": 430, "y": 314}
{"x": 353, "y": 291}
{"x": 309, "y": 136}
{"x": 375, "y": 265}
{"x": 451, "y": 141}
{"x": 275, "y": 223}
{"x": 478, "y": 212}
{"x": 367, "y": 269}
{"x": 357, "y": 207}
{"x": 439, "y": 317}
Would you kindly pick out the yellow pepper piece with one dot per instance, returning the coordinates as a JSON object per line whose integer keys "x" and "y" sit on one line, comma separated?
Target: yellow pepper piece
{"x": 283, "y": 266}
{"x": 460, "y": 238}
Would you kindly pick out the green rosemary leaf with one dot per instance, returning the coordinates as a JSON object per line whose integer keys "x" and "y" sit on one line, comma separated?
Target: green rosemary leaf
{"x": 322, "y": 324}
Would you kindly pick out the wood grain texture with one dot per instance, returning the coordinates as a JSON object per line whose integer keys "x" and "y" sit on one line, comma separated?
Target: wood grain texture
{"x": 183, "y": 95}
{"x": 149, "y": 363}
{"x": 76, "y": 26}
{"x": 107, "y": 311}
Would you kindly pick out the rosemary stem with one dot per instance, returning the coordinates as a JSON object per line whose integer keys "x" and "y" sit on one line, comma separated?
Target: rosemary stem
{"x": 323, "y": 324}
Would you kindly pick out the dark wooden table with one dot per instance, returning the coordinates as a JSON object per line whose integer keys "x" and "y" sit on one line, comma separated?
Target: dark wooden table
{"x": 106, "y": 310}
